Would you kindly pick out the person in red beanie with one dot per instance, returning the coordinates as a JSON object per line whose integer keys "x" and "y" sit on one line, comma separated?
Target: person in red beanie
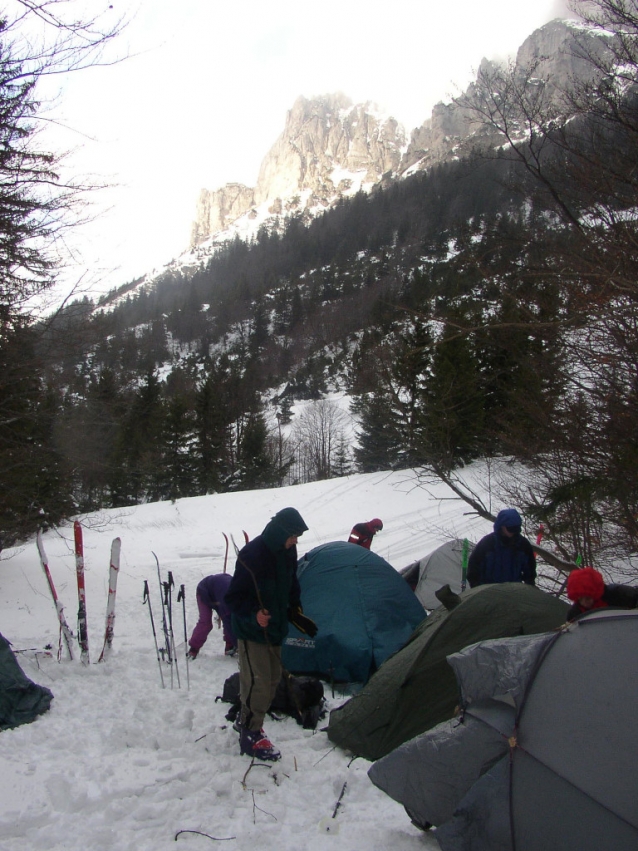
{"x": 363, "y": 533}
{"x": 587, "y": 590}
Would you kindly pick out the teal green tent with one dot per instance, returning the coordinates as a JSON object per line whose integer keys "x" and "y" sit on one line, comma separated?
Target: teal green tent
{"x": 364, "y": 610}
{"x": 21, "y": 700}
{"x": 416, "y": 689}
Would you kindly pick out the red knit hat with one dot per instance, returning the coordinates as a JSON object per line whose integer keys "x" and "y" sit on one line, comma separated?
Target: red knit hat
{"x": 376, "y": 524}
{"x": 585, "y": 582}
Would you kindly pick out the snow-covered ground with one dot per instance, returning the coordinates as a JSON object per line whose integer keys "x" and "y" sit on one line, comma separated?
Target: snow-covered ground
{"x": 121, "y": 763}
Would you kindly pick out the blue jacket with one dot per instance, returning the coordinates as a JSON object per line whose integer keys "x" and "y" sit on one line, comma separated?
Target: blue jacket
{"x": 497, "y": 558}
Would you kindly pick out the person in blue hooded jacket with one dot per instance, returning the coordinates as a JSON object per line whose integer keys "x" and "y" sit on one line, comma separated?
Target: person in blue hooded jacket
{"x": 263, "y": 597}
{"x": 504, "y": 555}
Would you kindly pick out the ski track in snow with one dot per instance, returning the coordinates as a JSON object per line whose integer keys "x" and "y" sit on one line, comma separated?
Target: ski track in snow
{"x": 121, "y": 763}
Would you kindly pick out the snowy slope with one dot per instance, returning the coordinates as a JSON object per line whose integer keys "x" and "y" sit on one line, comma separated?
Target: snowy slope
{"x": 120, "y": 762}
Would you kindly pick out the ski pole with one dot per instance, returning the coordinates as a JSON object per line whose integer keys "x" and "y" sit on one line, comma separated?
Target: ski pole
{"x": 182, "y": 596}
{"x": 226, "y": 554}
{"x": 169, "y": 601}
{"x": 147, "y": 599}
{"x": 167, "y": 636}
{"x": 167, "y": 648}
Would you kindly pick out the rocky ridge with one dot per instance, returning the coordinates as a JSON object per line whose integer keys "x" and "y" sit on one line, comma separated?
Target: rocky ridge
{"x": 331, "y": 148}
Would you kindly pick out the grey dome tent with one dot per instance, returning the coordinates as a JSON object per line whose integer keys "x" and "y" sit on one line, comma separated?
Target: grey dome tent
{"x": 443, "y": 566}
{"x": 364, "y": 612}
{"x": 21, "y": 700}
{"x": 545, "y": 753}
{"x": 416, "y": 688}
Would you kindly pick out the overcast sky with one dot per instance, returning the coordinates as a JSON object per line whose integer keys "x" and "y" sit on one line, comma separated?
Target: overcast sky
{"x": 205, "y": 92}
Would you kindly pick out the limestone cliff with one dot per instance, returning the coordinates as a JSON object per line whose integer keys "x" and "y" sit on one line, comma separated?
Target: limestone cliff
{"x": 220, "y": 208}
{"x": 555, "y": 54}
{"x": 331, "y": 147}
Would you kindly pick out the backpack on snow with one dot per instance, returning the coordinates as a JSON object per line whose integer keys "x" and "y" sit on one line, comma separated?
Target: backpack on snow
{"x": 300, "y": 697}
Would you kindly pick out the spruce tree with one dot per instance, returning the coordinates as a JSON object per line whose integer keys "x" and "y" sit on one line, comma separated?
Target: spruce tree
{"x": 256, "y": 468}
{"x": 453, "y": 415}
{"x": 379, "y": 443}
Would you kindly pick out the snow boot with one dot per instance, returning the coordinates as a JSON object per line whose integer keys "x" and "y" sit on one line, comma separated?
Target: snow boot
{"x": 255, "y": 743}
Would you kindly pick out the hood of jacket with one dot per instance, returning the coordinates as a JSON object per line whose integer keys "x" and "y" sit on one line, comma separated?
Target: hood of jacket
{"x": 507, "y": 517}
{"x": 283, "y": 525}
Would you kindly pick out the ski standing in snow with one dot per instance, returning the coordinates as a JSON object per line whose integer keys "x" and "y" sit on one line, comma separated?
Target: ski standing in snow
{"x": 83, "y": 636}
{"x": 65, "y": 631}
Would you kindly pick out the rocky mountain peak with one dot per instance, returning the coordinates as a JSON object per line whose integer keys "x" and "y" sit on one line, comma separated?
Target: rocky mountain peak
{"x": 329, "y": 147}
{"x": 556, "y": 53}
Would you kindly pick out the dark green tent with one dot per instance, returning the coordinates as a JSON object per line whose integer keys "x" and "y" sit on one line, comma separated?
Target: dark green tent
{"x": 416, "y": 688}
{"x": 21, "y": 700}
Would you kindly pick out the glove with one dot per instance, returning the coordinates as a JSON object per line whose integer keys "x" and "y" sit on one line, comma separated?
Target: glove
{"x": 299, "y": 620}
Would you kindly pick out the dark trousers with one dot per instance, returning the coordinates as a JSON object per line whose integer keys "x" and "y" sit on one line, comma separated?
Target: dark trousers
{"x": 259, "y": 675}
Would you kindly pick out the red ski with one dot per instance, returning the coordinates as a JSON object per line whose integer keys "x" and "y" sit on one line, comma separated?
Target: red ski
{"x": 539, "y": 536}
{"x": 83, "y": 635}
{"x": 65, "y": 632}
{"x": 110, "y": 603}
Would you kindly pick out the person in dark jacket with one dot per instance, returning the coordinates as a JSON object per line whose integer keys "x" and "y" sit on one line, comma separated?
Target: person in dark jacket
{"x": 504, "y": 555}
{"x": 587, "y": 590}
{"x": 264, "y": 595}
{"x": 363, "y": 533}
{"x": 211, "y": 597}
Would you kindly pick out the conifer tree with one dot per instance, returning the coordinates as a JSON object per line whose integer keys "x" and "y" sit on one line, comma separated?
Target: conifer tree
{"x": 36, "y": 485}
{"x": 212, "y": 434}
{"x": 453, "y": 416}
{"x": 140, "y": 447}
{"x": 256, "y": 468}
{"x": 379, "y": 442}
{"x": 179, "y": 463}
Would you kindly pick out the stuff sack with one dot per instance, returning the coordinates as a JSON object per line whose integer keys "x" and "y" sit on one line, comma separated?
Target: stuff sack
{"x": 21, "y": 700}
{"x": 300, "y": 697}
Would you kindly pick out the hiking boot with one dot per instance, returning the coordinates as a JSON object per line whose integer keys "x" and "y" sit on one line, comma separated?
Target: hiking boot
{"x": 255, "y": 743}
{"x": 230, "y": 650}
{"x": 192, "y": 653}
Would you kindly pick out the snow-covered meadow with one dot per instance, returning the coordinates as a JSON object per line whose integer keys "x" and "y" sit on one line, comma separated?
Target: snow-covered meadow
{"x": 121, "y": 763}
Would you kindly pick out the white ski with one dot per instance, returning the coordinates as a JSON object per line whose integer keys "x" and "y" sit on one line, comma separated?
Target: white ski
{"x": 110, "y": 603}
{"x": 64, "y": 627}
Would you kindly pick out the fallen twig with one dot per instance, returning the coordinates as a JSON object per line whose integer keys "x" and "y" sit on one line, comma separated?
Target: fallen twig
{"x": 338, "y": 804}
{"x": 325, "y": 755}
{"x": 199, "y": 833}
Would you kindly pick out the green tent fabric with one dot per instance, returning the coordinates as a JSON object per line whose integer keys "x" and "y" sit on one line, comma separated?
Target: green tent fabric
{"x": 21, "y": 700}
{"x": 416, "y": 689}
{"x": 363, "y": 609}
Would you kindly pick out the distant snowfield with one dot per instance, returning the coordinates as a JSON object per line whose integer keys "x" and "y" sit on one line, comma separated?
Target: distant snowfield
{"x": 120, "y": 762}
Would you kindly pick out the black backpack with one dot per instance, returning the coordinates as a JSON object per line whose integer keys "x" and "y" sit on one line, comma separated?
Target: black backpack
{"x": 300, "y": 697}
